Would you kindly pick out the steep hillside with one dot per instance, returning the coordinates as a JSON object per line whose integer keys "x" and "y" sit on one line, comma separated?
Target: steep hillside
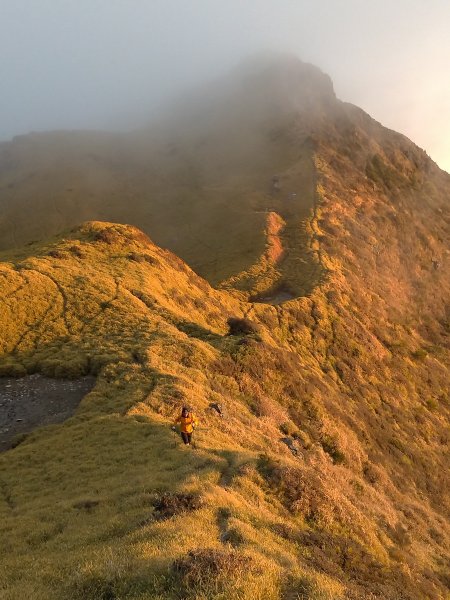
{"x": 326, "y": 476}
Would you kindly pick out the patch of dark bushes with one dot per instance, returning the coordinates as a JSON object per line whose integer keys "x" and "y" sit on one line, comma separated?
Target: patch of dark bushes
{"x": 207, "y": 565}
{"x": 141, "y": 258}
{"x": 76, "y": 251}
{"x": 286, "y": 532}
{"x": 331, "y": 447}
{"x": 147, "y": 300}
{"x": 226, "y": 366}
{"x": 139, "y": 236}
{"x": 56, "y": 254}
{"x": 289, "y": 484}
{"x": 106, "y": 236}
{"x": 383, "y": 174}
{"x": 70, "y": 369}
{"x": 399, "y": 535}
{"x": 233, "y": 537}
{"x": 239, "y": 326}
{"x": 199, "y": 303}
{"x": 301, "y": 491}
{"x": 10, "y": 368}
{"x": 169, "y": 505}
{"x": 194, "y": 330}
{"x": 371, "y": 473}
{"x": 334, "y": 554}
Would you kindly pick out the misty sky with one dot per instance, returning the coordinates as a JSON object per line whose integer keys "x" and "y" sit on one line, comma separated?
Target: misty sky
{"x": 94, "y": 63}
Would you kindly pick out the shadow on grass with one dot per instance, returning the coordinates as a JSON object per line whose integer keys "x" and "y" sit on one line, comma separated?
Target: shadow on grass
{"x": 197, "y": 331}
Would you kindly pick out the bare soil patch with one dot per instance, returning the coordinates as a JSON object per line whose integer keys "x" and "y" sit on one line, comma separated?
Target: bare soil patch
{"x": 33, "y": 401}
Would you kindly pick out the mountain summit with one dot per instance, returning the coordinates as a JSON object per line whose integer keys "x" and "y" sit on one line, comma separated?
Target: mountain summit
{"x": 265, "y": 87}
{"x": 301, "y": 309}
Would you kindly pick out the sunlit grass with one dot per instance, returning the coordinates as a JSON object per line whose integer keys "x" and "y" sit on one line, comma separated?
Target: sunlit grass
{"x": 77, "y": 500}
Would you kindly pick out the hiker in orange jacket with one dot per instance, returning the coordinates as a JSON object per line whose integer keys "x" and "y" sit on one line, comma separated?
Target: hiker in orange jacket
{"x": 187, "y": 423}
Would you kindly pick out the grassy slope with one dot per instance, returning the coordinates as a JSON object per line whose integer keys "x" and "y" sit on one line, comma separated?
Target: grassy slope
{"x": 357, "y": 513}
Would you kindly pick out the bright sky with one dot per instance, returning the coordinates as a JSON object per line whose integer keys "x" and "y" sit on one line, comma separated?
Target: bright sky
{"x": 93, "y": 63}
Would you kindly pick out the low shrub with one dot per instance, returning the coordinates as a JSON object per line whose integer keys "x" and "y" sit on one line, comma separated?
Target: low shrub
{"x": 11, "y": 368}
{"x": 331, "y": 447}
{"x": 70, "y": 369}
{"x": 77, "y": 251}
{"x": 141, "y": 258}
{"x": 211, "y": 568}
{"x": 239, "y": 326}
{"x": 232, "y": 536}
{"x": 302, "y": 492}
{"x": 56, "y": 254}
{"x": 107, "y": 236}
{"x": 334, "y": 554}
{"x": 289, "y": 428}
{"x": 372, "y": 473}
{"x": 169, "y": 504}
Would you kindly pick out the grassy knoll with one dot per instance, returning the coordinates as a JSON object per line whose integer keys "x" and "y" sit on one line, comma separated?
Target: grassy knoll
{"x": 324, "y": 479}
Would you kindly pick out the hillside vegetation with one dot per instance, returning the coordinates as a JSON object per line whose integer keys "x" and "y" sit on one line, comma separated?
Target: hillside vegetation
{"x": 327, "y": 476}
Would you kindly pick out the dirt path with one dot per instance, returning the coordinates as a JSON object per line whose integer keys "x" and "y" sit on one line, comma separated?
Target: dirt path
{"x": 32, "y": 401}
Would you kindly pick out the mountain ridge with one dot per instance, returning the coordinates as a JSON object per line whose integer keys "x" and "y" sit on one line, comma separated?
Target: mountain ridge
{"x": 326, "y": 477}
{"x": 182, "y": 181}
{"x": 155, "y": 335}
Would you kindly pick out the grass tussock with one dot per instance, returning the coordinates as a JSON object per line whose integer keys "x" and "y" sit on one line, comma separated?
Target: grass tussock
{"x": 168, "y": 505}
{"x": 224, "y": 573}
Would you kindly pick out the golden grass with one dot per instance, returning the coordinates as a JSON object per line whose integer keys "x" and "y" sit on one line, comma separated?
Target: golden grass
{"x": 79, "y": 521}
{"x": 354, "y": 374}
